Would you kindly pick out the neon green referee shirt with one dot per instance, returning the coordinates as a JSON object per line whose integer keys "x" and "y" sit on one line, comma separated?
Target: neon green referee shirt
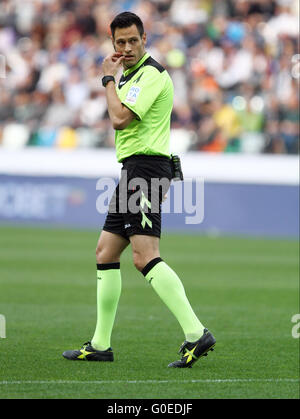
{"x": 147, "y": 90}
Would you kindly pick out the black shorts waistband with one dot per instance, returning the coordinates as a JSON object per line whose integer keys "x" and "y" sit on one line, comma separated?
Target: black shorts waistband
{"x": 145, "y": 157}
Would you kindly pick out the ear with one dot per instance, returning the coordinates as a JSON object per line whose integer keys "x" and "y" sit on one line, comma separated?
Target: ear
{"x": 144, "y": 38}
{"x": 113, "y": 42}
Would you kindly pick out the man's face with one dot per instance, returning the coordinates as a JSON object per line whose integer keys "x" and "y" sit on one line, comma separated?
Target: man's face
{"x": 129, "y": 43}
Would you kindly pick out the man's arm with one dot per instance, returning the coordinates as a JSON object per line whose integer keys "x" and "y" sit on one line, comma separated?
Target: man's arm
{"x": 119, "y": 114}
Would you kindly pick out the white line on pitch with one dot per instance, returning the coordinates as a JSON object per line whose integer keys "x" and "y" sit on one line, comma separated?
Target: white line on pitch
{"x": 226, "y": 380}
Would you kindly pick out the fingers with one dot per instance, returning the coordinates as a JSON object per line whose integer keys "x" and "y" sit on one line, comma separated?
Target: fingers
{"x": 113, "y": 58}
{"x": 120, "y": 59}
{"x": 116, "y": 56}
{"x": 111, "y": 64}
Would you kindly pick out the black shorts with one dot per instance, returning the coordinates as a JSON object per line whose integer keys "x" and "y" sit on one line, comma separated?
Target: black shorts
{"x": 135, "y": 207}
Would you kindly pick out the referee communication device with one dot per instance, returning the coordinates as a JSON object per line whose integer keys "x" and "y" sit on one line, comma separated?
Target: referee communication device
{"x": 176, "y": 168}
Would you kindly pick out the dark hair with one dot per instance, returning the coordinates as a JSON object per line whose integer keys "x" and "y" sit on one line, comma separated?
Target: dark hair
{"x": 125, "y": 20}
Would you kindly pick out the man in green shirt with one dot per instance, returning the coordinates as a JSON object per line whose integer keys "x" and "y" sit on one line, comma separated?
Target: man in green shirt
{"x": 139, "y": 108}
{"x": 147, "y": 91}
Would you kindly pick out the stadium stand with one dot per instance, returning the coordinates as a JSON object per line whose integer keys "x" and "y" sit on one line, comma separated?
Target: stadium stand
{"x": 235, "y": 66}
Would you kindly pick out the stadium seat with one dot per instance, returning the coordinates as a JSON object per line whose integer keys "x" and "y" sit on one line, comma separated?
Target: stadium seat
{"x": 15, "y": 135}
{"x": 45, "y": 137}
{"x": 66, "y": 138}
{"x": 181, "y": 140}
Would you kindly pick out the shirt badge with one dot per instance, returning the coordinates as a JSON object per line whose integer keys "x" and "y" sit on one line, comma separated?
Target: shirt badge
{"x": 133, "y": 94}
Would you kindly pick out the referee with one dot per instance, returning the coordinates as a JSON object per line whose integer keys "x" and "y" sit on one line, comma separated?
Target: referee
{"x": 139, "y": 108}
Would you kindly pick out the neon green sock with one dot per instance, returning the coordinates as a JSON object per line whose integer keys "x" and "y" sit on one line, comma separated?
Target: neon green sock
{"x": 108, "y": 294}
{"x": 169, "y": 288}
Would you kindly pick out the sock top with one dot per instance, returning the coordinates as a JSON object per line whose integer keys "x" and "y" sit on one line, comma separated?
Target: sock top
{"x": 107, "y": 266}
{"x": 151, "y": 265}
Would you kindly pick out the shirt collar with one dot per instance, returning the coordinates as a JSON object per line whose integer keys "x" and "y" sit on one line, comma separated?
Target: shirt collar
{"x": 137, "y": 65}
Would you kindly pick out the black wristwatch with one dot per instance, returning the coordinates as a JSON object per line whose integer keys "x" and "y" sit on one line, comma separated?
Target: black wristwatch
{"x": 106, "y": 79}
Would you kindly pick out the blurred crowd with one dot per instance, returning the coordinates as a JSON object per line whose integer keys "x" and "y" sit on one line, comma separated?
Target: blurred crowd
{"x": 235, "y": 66}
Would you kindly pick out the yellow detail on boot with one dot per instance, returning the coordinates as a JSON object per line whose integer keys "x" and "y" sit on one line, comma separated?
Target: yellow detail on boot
{"x": 190, "y": 355}
{"x": 84, "y": 354}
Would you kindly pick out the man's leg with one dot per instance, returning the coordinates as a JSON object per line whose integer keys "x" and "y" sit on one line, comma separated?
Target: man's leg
{"x": 166, "y": 283}
{"x": 170, "y": 289}
{"x": 109, "y": 249}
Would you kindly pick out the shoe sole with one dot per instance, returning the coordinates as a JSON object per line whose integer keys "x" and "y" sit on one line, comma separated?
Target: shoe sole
{"x": 89, "y": 358}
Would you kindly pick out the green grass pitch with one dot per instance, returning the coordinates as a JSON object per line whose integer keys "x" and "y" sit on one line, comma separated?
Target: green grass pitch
{"x": 244, "y": 290}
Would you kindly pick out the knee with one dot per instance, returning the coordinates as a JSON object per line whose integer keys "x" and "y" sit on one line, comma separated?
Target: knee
{"x": 104, "y": 255}
{"x": 99, "y": 253}
{"x": 140, "y": 261}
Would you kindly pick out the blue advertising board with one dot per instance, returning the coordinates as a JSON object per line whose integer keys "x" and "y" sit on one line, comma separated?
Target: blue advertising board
{"x": 207, "y": 208}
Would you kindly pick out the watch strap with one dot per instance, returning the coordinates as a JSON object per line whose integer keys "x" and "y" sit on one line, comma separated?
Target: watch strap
{"x": 107, "y": 79}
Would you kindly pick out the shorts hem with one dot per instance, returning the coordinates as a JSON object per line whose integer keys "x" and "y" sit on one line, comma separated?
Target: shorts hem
{"x": 115, "y": 232}
{"x": 132, "y": 233}
{"x": 144, "y": 233}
